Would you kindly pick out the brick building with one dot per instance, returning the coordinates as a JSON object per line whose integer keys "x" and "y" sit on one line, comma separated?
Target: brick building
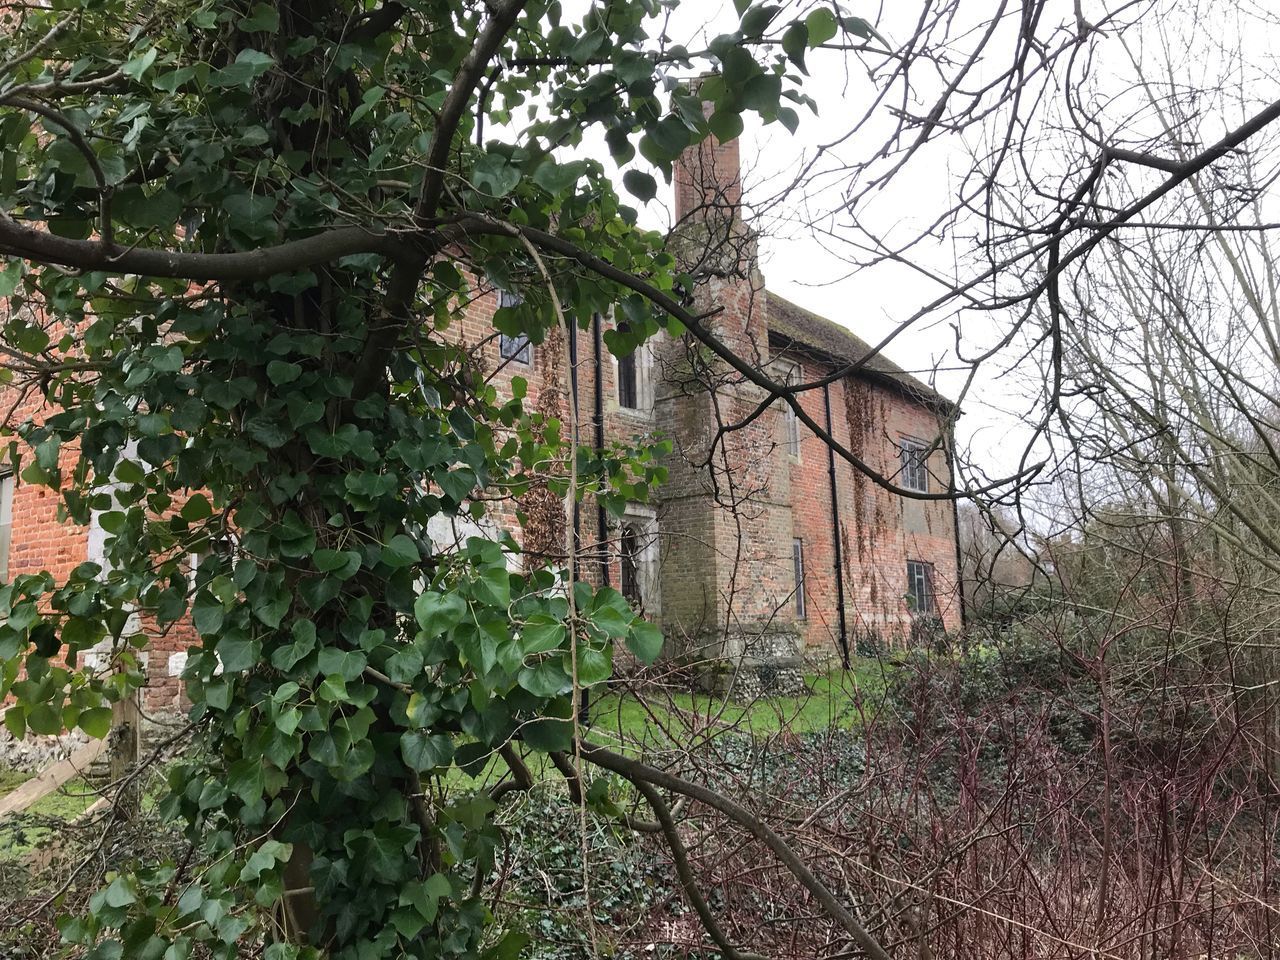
{"x": 764, "y": 546}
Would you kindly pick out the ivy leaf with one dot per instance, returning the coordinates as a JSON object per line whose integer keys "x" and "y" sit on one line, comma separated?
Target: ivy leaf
{"x": 400, "y": 552}
{"x": 644, "y": 639}
{"x": 540, "y": 634}
{"x": 425, "y": 751}
{"x": 547, "y": 679}
{"x": 438, "y": 613}
{"x": 263, "y": 18}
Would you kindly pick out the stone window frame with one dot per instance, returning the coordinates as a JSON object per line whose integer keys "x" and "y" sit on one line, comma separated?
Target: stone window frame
{"x": 517, "y": 349}
{"x": 8, "y": 487}
{"x": 644, "y": 520}
{"x": 641, "y": 360}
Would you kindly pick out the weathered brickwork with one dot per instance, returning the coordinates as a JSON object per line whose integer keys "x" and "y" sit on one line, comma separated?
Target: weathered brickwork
{"x": 737, "y": 501}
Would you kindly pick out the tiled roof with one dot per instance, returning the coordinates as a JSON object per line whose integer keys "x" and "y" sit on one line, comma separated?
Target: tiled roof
{"x": 807, "y": 330}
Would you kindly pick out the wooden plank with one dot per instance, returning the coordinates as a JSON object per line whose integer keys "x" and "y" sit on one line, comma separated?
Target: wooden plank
{"x": 51, "y": 778}
{"x": 124, "y": 740}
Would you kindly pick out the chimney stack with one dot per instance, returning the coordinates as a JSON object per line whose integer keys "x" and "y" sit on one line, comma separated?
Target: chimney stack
{"x": 708, "y": 180}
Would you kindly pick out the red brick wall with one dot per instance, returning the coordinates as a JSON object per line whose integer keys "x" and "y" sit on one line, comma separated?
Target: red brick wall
{"x": 750, "y": 554}
{"x": 879, "y": 531}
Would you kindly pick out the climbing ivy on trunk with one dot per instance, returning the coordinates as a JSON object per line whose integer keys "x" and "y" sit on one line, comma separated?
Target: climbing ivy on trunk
{"x": 238, "y": 239}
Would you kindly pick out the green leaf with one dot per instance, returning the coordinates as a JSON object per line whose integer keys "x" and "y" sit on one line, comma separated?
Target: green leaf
{"x": 762, "y": 93}
{"x": 822, "y": 26}
{"x": 726, "y": 125}
{"x": 132, "y": 205}
{"x": 439, "y": 613}
{"x": 262, "y": 18}
{"x": 644, "y": 639}
{"x": 540, "y": 634}
{"x": 249, "y": 208}
{"x": 547, "y": 679}
{"x": 594, "y": 666}
{"x": 248, "y": 66}
{"x": 96, "y": 722}
{"x": 367, "y": 103}
{"x": 401, "y": 551}
{"x": 494, "y": 175}
{"x": 425, "y": 751}
{"x": 138, "y": 65}
{"x": 197, "y": 508}
{"x": 548, "y": 733}
{"x": 642, "y": 186}
{"x": 118, "y": 893}
{"x": 795, "y": 41}
{"x": 279, "y": 372}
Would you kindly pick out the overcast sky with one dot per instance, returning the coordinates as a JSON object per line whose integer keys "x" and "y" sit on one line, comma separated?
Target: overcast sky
{"x": 813, "y": 270}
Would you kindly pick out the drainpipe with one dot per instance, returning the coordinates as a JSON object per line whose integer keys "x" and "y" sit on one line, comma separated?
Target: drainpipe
{"x": 571, "y": 334}
{"x": 602, "y": 523}
{"x": 835, "y": 532}
{"x": 955, "y": 519}
{"x": 584, "y": 702}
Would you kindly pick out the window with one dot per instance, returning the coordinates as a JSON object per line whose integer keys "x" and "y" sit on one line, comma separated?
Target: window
{"x": 629, "y": 555}
{"x": 638, "y": 559}
{"x": 914, "y": 473}
{"x": 790, "y": 375}
{"x": 628, "y": 395}
{"x": 920, "y": 588}
{"x": 6, "y": 524}
{"x": 635, "y": 377}
{"x": 516, "y": 348}
{"x": 791, "y": 431}
{"x": 797, "y": 567}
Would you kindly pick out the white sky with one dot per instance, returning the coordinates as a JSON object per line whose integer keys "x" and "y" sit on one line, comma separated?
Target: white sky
{"x": 809, "y": 270}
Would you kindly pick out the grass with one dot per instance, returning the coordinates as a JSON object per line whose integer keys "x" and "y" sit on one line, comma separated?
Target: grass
{"x": 21, "y": 834}
{"x": 662, "y": 719}
{"x": 835, "y": 700}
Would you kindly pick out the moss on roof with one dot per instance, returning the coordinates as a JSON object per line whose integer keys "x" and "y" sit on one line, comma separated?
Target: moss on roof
{"x": 816, "y": 334}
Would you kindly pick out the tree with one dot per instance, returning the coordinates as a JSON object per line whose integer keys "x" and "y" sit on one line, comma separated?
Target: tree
{"x": 237, "y": 234}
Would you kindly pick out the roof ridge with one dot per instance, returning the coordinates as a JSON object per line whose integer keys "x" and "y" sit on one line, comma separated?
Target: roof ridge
{"x": 816, "y": 332}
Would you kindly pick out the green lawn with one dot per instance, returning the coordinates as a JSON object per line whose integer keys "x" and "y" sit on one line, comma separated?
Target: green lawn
{"x": 838, "y": 699}
{"x": 21, "y": 834}
{"x": 657, "y": 720}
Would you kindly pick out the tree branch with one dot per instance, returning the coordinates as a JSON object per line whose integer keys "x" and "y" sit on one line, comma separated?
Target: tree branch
{"x": 469, "y": 75}
{"x": 40, "y": 246}
{"x": 635, "y": 770}
{"x": 685, "y": 874}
